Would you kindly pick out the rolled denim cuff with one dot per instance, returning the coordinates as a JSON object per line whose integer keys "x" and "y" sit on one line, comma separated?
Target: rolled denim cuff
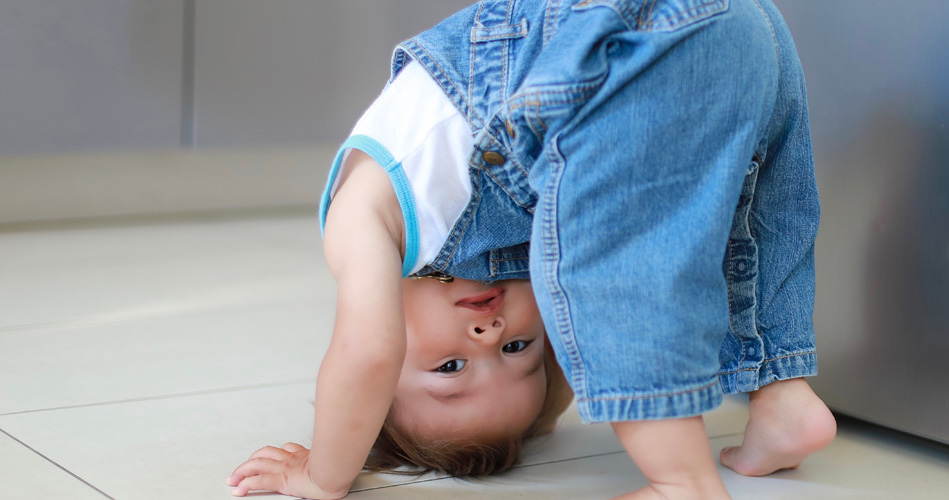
{"x": 771, "y": 370}
{"x": 679, "y": 404}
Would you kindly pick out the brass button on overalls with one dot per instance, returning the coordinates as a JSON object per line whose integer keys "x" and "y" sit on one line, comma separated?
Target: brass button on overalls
{"x": 493, "y": 158}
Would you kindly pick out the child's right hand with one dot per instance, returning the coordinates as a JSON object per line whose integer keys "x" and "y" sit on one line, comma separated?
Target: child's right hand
{"x": 283, "y": 470}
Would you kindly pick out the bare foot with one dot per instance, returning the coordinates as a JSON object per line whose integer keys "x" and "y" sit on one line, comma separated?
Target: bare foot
{"x": 675, "y": 457}
{"x": 788, "y": 422}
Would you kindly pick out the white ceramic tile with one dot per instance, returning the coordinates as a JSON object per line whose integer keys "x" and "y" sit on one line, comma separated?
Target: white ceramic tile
{"x": 80, "y": 365}
{"x": 179, "y": 448}
{"x": 574, "y": 439}
{"x": 858, "y": 464}
{"x": 597, "y": 477}
{"x": 199, "y": 439}
{"x": 148, "y": 341}
{"x": 25, "y": 474}
{"x": 862, "y": 462}
{"x": 120, "y": 273}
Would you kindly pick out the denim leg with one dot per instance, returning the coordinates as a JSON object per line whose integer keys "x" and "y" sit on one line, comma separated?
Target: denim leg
{"x": 770, "y": 260}
{"x": 637, "y": 193}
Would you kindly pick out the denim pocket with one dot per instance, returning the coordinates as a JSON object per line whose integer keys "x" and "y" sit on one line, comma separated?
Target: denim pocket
{"x": 509, "y": 261}
{"x": 658, "y": 15}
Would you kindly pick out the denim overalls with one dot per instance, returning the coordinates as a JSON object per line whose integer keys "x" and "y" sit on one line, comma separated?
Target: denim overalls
{"x": 656, "y": 155}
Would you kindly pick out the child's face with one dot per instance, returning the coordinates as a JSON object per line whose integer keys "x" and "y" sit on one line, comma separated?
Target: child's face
{"x": 474, "y": 363}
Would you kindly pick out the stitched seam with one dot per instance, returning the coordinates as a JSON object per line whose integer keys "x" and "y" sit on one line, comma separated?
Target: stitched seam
{"x": 541, "y": 118}
{"x": 474, "y": 113}
{"x": 504, "y": 188}
{"x": 654, "y": 396}
{"x": 505, "y": 54}
{"x": 538, "y": 104}
{"x": 472, "y": 54}
{"x": 504, "y": 32}
{"x": 744, "y": 351}
{"x": 455, "y": 236}
{"x": 551, "y": 243}
{"x": 648, "y": 16}
{"x": 580, "y": 92}
{"x": 774, "y": 36}
{"x": 809, "y": 353}
{"x": 685, "y": 17}
{"x": 536, "y": 128}
{"x": 550, "y": 25}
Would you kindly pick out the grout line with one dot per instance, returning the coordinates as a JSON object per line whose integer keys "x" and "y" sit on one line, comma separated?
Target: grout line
{"x": 420, "y": 481}
{"x": 607, "y": 453}
{"x": 512, "y": 468}
{"x": 524, "y": 466}
{"x": 167, "y": 396}
{"x": 727, "y": 435}
{"x": 67, "y": 471}
{"x": 175, "y": 313}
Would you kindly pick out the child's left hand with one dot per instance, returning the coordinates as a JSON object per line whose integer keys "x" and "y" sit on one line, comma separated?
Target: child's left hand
{"x": 283, "y": 470}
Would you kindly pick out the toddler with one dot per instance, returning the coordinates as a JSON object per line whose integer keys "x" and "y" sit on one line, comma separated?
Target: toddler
{"x": 647, "y": 165}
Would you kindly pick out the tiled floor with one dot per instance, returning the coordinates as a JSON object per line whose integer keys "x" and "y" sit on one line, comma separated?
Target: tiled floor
{"x": 145, "y": 359}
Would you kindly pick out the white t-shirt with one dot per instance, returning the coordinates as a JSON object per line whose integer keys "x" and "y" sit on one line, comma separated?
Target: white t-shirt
{"x": 423, "y": 142}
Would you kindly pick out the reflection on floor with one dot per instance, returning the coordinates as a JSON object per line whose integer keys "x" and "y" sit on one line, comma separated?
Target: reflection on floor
{"x": 145, "y": 359}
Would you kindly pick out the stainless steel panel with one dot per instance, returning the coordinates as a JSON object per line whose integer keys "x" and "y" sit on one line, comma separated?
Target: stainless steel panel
{"x": 878, "y": 83}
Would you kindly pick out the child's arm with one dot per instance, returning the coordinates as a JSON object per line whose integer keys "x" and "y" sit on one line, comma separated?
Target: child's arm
{"x": 357, "y": 380}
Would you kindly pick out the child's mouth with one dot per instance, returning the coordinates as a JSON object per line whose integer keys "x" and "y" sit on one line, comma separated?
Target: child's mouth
{"x": 486, "y": 302}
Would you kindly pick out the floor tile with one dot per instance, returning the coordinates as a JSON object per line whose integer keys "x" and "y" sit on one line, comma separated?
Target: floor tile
{"x": 575, "y": 439}
{"x": 198, "y": 440}
{"x": 178, "y": 448}
{"x": 865, "y": 462}
{"x": 859, "y": 464}
{"x": 101, "y": 274}
{"x": 26, "y": 474}
{"x": 150, "y": 361}
{"x": 61, "y": 366}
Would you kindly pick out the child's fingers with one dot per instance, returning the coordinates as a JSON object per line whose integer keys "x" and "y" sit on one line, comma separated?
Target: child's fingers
{"x": 269, "y": 482}
{"x": 257, "y": 474}
{"x": 270, "y": 452}
{"x": 293, "y": 447}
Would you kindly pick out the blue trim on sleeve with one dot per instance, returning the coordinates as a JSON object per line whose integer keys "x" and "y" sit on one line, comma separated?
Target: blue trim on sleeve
{"x": 403, "y": 191}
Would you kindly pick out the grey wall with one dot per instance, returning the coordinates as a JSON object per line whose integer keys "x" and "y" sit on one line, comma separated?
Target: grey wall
{"x": 296, "y": 70}
{"x": 94, "y": 75}
{"x": 89, "y": 74}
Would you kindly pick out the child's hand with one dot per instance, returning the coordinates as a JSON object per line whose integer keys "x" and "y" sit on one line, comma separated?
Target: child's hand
{"x": 283, "y": 470}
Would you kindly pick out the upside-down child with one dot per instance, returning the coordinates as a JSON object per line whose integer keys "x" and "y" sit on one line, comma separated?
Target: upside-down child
{"x": 646, "y": 165}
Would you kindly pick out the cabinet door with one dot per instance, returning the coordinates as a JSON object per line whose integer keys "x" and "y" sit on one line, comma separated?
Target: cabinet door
{"x": 296, "y": 71}
{"x": 90, "y": 75}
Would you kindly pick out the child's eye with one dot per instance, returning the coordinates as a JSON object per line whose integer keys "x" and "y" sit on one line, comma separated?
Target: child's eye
{"x": 516, "y": 346}
{"x": 451, "y": 366}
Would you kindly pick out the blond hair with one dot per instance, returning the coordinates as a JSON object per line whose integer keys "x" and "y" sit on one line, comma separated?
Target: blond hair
{"x": 395, "y": 448}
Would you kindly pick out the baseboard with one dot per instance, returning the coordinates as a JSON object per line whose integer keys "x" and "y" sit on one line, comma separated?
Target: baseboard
{"x": 88, "y": 185}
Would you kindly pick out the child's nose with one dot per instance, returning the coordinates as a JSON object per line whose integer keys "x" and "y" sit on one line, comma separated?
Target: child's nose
{"x": 488, "y": 331}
